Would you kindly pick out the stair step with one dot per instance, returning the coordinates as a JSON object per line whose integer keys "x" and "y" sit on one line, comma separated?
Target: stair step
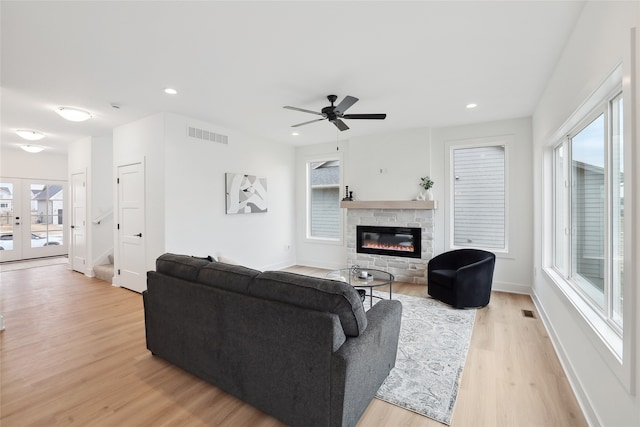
{"x": 104, "y": 272}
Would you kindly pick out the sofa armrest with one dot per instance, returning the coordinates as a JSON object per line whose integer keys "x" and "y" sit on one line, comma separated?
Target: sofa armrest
{"x": 361, "y": 364}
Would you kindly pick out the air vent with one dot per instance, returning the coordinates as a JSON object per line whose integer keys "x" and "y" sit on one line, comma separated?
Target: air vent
{"x": 207, "y": 135}
{"x": 528, "y": 313}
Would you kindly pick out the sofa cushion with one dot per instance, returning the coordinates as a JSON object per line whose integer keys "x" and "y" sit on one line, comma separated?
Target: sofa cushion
{"x": 314, "y": 293}
{"x": 234, "y": 278}
{"x": 181, "y": 266}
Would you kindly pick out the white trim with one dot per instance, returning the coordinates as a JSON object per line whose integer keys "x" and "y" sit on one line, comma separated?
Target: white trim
{"x": 512, "y": 288}
{"x": 574, "y": 381}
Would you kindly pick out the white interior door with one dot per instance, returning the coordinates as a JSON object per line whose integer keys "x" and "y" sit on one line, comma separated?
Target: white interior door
{"x": 79, "y": 222}
{"x": 131, "y": 234}
{"x": 10, "y": 220}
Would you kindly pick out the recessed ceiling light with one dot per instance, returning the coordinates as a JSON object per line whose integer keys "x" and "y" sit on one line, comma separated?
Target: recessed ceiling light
{"x": 73, "y": 114}
{"x": 30, "y": 135}
{"x": 295, "y": 133}
{"x": 170, "y": 91}
{"x": 471, "y": 105}
{"x": 32, "y": 148}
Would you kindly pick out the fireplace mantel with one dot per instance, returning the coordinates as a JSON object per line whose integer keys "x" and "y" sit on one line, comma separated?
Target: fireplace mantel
{"x": 390, "y": 204}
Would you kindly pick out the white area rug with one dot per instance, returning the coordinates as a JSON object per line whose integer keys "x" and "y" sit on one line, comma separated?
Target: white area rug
{"x": 433, "y": 346}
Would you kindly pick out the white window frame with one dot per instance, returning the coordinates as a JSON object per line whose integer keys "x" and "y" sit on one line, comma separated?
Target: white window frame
{"x": 500, "y": 140}
{"x": 614, "y": 346}
{"x": 307, "y": 203}
{"x": 604, "y": 109}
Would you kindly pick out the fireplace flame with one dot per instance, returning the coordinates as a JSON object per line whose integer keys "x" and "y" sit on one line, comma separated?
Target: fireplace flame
{"x": 376, "y": 245}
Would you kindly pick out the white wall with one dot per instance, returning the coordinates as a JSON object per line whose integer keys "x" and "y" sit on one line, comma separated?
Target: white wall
{"x": 142, "y": 141}
{"x": 94, "y": 157}
{"x": 387, "y": 166}
{"x": 514, "y": 270}
{"x": 600, "y": 41}
{"x": 195, "y": 219}
{"x": 406, "y": 156}
{"x": 375, "y": 167}
{"x": 101, "y": 189}
{"x": 17, "y": 163}
{"x": 185, "y": 192}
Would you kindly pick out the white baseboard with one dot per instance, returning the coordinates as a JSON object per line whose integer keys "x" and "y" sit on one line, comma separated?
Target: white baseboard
{"x": 316, "y": 264}
{"x": 512, "y": 288}
{"x": 567, "y": 367}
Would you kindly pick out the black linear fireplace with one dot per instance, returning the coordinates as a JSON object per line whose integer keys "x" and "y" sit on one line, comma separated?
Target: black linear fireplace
{"x": 393, "y": 241}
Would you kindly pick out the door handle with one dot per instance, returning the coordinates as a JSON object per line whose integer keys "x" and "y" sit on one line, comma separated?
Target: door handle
{"x": 137, "y": 235}
{"x": 73, "y": 226}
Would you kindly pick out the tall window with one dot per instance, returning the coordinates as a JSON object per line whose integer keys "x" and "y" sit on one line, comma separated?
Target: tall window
{"x": 324, "y": 199}
{"x": 479, "y": 197}
{"x": 589, "y": 209}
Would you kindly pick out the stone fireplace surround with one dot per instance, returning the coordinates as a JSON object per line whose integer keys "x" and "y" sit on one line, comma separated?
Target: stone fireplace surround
{"x": 392, "y": 214}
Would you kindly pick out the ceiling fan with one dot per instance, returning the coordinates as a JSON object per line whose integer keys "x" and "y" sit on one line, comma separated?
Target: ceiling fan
{"x": 334, "y": 113}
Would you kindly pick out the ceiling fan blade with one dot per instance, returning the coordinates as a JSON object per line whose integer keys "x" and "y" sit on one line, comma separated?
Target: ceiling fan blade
{"x": 365, "y": 116}
{"x": 302, "y": 109}
{"x": 340, "y": 124}
{"x": 306, "y": 123}
{"x": 347, "y": 102}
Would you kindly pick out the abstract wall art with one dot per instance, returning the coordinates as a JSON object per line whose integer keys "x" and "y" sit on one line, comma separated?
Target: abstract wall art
{"x": 245, "y": 193}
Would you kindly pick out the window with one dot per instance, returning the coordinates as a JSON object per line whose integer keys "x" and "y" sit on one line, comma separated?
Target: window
{"x": 479, "y": 177}
{"x": 589, "y": 209}
{"x": 324, "y": 199}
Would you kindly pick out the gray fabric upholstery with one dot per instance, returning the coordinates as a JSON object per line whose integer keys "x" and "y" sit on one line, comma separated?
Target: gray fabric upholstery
{"x": 227, "y": 276}
{"x": 181, "y": 266}
{"x": 316, "y": 294}
{"x": 293, "y": 363}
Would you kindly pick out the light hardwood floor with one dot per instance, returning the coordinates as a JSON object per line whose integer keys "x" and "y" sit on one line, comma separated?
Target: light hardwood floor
{"x": 73, "y": 353}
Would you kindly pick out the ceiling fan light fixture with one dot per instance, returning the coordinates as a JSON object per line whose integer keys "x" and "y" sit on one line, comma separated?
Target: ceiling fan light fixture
{"x": 73, "y": 114}
{"x": 30, "y": 135}
{"x": 32, "y": 148}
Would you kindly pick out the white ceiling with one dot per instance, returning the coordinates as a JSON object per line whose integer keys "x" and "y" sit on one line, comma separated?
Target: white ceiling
{"x": 236, "y": 64}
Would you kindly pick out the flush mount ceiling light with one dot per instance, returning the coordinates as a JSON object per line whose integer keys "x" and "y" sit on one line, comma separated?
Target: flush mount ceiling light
{"x": 30, "y": 135}
{"x": 73, "y": 114}
{"x": 295, "y": 133}
{"x": 170, "y": 91}
{"x": 32, "y": 148}
{"x": 471, "y": 105}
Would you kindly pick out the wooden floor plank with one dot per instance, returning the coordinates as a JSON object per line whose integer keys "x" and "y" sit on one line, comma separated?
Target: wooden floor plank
{"x": 73, "y": 353}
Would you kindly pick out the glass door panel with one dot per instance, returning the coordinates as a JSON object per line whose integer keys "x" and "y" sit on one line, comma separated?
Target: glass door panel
{"x": 6, "y": 216}
{"x": 46, "y": 224}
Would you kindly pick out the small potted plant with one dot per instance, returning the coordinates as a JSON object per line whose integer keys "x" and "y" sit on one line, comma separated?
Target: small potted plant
{"x": 426, "y": 183}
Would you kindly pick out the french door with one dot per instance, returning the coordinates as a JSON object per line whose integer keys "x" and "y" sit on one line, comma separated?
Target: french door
{"x": 31, "y": 219}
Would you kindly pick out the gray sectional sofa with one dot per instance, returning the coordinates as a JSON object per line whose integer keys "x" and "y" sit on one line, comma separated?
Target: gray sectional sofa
{"x": 299, "y": 348}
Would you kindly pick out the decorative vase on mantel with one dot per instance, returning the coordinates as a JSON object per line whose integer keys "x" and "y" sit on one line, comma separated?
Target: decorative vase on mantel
{"x": 425, "y": 195}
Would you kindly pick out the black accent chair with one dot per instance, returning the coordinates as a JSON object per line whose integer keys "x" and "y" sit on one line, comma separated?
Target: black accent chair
{"x": 462, "y": 278}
